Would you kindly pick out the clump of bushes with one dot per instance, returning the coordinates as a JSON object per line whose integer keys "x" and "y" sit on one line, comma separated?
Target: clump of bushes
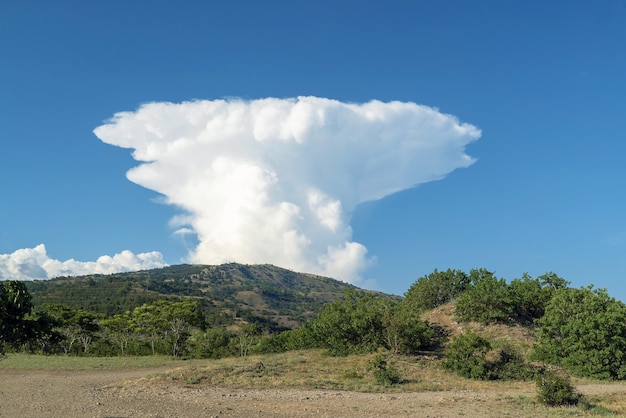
{"x": 488, "y": 299}
{"x": 583, "y": 331}
{"x": 473, "y": 356}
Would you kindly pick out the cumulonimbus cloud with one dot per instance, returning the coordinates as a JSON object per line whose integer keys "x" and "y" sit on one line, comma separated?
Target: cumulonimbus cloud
{"x": 34, "y": 264}
{"x": 275, "y": 180}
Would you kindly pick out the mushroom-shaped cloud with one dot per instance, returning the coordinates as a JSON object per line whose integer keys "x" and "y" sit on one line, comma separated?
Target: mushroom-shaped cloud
{"x": 275, "y": 180}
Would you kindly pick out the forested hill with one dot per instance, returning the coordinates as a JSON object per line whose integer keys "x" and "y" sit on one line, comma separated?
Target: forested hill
{"x": 247, "y": 291}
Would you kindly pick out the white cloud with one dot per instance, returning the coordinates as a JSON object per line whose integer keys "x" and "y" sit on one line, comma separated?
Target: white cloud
{"x": 34, "y": 263}
{"x": 275, "y": 180}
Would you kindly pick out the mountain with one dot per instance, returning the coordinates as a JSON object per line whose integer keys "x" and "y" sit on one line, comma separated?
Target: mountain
{"x": 253, "y": 292}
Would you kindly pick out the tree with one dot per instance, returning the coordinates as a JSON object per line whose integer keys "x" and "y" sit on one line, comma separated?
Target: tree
{"x": 148, "y": 324}
{"x": 168, "y": 321}
{"x": 529, "y": 297}
{"x": 350, "y": 325}
{"x": 435, "y": 289}
{"x": 486, "y": 300}
{"x": 551, "y": 280}
{"x": 584, "y": 330}
{"x": 210, "y": 343}
{"x": 119, "y": 328}
{"x": 44, "y": 334}
{"x": 246, "y": 338}
{"x": 403, "y": 329}
{"x": 87, "y": 326}
{"x": 15, "y": 304}
{"x": 3, "y": 307}
{"x": 75, "y": 325}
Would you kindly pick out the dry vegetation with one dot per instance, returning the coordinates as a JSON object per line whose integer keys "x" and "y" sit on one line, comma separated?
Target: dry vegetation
{"x": 312, "y": 369}
{"x": 423, "y": 382}
{"x": 294, "y": 384}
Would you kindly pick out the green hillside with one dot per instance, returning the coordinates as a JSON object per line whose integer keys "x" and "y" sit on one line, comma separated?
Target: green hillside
{"x": 259, "y": 292}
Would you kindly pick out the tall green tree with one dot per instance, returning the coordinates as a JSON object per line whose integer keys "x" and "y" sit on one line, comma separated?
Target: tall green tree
{"x": 350, "y": 325}
{"x": 77, "y": 326}
{"x": 45, "y": 337}
{"x": 584, "y": 330}
{"x": 148, "y": 325}
{"x": 169, "y": 321}
{"x": 486, "y": 300}
{"x": 15, "y": 305}
{"x": 403, "y": 329}
{"x": 3, "y": 313}
{"x": 120, "y": 329}
{"x": 436, "y": 288}
{"x": 529, "y": 296}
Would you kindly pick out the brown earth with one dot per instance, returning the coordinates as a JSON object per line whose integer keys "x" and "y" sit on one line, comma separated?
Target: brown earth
{"x": 130, "y": 393}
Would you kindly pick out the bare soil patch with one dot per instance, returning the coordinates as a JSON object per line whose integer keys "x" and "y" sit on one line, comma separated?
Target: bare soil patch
{"x": 136, "y": 393}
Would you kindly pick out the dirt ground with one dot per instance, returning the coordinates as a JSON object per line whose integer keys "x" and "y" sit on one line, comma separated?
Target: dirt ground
{"x": 126, "y": 393}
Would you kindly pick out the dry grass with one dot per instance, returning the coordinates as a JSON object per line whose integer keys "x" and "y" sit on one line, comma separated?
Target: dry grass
{"x": 312, "y": 369}
{"x": 63, "y": 362}
{"x": 615, "y": 402}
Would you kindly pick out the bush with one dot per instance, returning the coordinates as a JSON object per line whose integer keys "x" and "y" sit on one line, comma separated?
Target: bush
{"x": 384, "y": 373}
{"x": 584, "y": 331}
{"x": 212, "y": 343}
{"x": 296, "y": 339}
{"x": 487, "y": 299}
{"x": 508, "y": 364}
{"x": 436, "y": 289}
{"x": 529, "y": 298}
{"x": 351, "y": 325}
{"x": 404, "y": 331}
{"x": 467, "y": 356}
{"x": 474, "y": 357}
{"x": 554, "y": 389}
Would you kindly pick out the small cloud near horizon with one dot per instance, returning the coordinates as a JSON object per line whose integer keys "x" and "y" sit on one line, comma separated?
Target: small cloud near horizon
{"x": 35, "y": 264}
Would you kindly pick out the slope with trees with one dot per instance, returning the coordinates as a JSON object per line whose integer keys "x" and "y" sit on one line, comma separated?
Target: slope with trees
{"x": 216, "y": 311}
{"x": 254, "y": 292}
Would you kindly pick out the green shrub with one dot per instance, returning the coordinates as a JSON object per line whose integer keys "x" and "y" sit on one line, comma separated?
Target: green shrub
{"x": 486, "y": 300}
{"x": 584, "y": 331}
{"x": 295, "y": 339}
{"x": 384, "y": 373}
{"x": 474, "y": 357}
{"x": 507, "y": 363}
{"x": 351, "y": 325}
{"x": 467, "y": 356}
{"x": 404, "y": 331}
{"x": 212, "y": 343}
{"x": 436, "y": 289}
{"x": 554, "y": 389}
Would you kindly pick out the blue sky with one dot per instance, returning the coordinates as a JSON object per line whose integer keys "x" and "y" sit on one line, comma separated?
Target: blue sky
{"x": 542, "y": 81}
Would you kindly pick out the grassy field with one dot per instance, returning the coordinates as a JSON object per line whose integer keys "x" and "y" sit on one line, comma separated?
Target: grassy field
{"x": 62, "y": 362}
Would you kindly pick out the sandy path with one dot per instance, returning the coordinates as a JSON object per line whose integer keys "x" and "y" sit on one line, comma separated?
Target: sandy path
{"x": 121, "y": 393}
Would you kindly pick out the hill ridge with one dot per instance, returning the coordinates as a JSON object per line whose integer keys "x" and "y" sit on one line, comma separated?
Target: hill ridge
{"x": 250, "y": 291}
